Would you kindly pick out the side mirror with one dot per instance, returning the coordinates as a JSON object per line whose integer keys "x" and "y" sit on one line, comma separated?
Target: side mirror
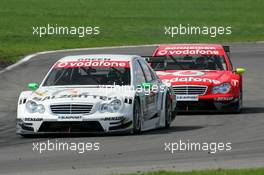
{"x": 147, "y": 59}
{"x": 146, "y": 85}
{"x": 33, "y": 86}
{"x": 240, "y": 70}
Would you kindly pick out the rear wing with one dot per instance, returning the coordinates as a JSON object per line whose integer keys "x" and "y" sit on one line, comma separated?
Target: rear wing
{"x": 227, "y": 50}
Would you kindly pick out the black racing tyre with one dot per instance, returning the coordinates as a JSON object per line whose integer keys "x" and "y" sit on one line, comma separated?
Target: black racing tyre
{"x": 237, "y": 108}
{"x": 27, "y": 135}
{"x": 137, "y": 118}
{"x": 168, "y": 113}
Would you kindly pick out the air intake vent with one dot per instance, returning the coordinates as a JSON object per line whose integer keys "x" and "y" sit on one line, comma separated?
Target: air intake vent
{"x": 71, "y": 109}
{"x": 189, "y": 89}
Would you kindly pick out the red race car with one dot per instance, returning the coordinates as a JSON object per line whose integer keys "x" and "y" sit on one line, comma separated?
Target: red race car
{"x": 202, "y": 76}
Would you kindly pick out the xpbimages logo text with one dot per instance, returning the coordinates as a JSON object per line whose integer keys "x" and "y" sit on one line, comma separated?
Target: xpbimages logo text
{"x": 187, "y": 145}
{"x": 57, "y": 145}
{"x": 211, "y": 31}
{"x": 79, "y": 31}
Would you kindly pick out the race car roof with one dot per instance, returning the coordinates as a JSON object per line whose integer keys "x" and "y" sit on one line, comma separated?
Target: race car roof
{"x": 182, "y": 49}
{"x": 101, "y": 57}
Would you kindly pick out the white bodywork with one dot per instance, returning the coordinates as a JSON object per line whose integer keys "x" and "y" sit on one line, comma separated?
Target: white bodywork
{"x": 94, "y": 120}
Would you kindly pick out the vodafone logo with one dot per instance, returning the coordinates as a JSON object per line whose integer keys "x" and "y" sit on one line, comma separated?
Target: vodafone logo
{"x": 188, "y": 52}
{"x": 185, "y": 76}
{"x": 191, "y": 79}
{"x": 73, "y": 64}
{"x": 188, "y": 73}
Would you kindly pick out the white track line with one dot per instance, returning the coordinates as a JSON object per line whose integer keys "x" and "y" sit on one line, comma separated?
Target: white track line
{"x": 28, "y": 57}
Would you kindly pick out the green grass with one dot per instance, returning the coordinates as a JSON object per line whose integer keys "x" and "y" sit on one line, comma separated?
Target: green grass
{"x": 259, "y": 171}
{"x": 122, "y": 22}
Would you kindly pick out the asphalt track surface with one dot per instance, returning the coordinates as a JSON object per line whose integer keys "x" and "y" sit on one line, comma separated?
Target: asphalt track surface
{"x": 128, "y": 153}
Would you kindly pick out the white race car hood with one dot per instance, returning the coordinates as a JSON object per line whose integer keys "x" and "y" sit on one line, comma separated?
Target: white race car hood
{"x": 88, "y": 94}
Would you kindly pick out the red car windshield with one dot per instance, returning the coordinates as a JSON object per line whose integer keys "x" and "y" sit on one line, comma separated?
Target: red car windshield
{"x": 189, "y": 62}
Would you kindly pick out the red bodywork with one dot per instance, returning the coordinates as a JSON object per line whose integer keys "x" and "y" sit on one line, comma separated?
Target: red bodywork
{"x": 206, "y": 78}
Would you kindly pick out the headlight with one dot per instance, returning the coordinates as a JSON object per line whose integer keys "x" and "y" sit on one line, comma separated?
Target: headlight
{"x": 113, "y": 106}
{"x": 222, "y": 89}
{"x": 41, "y": 108}
{"x": 33, "y": 107}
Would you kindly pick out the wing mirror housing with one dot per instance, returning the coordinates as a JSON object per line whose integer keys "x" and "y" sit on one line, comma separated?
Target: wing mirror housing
{"x": 146, "y": 85}
{"x": 33, "y": 86}
{"x": 240, "y": 70}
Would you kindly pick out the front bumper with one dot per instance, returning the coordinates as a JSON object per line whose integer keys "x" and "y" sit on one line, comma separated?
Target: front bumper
{"x": 222, "y": 103}
{"x": 101, "y": 125}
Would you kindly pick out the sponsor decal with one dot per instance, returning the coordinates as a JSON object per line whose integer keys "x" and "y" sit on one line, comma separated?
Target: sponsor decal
{"x": 187, "y": 97}
{"x": 92, "y": 63}
{"x": 68, "y": 91}
{"x": 112, "y": 118}
{"x": 82, "y": 95}
{"x": 33, "y": 119}
{"x": 186, "y": 76}
{"x": 191, "y": 79}
{"x": 164, "y": 52}
{"x": 39, "y": 93}
{"x": 185, "y": 73}
{"x": 223, "y": 98}
{"x": 94, "y": 59}
{"x": 190, "y": 48}
{"x": 188, "y": 73}
{"x": 45, "y": 92}
{"x": 70, "y": 117}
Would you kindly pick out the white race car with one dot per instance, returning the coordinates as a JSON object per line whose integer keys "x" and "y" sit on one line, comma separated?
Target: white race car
{"x": 94, "y": 94}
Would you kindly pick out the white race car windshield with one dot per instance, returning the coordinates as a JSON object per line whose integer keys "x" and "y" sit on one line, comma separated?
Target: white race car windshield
{"x": 88, "y": 76}
{"x": 189, "y": 62}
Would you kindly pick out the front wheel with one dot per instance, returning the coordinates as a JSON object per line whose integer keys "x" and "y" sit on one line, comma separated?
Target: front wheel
{"x": 168, "y": 113}
{"x": 238, "y": 106}
{"x": 137, "y": 118}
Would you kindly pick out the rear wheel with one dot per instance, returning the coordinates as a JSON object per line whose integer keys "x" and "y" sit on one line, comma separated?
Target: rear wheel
{"x": 137, "y": 118}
